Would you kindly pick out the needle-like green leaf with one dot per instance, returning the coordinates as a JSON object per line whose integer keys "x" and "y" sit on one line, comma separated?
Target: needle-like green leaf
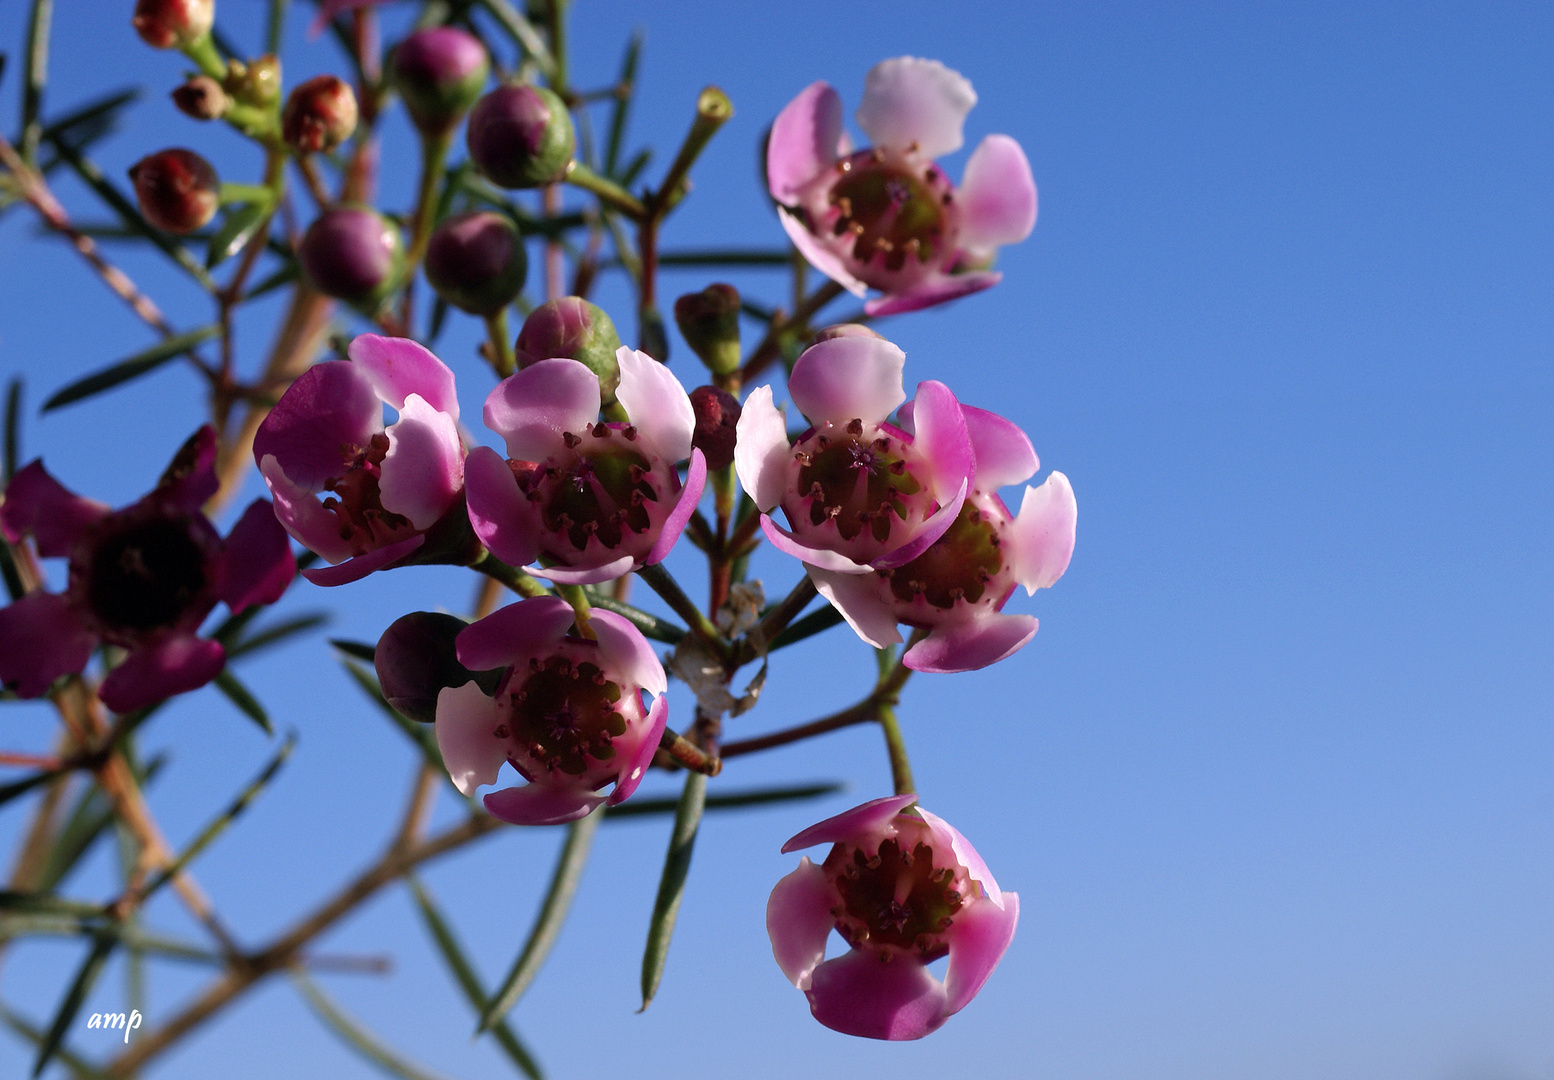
{"x": 142, "y": 363}
{"x": 671, "y": 887}
{"x": 553, "y": 913}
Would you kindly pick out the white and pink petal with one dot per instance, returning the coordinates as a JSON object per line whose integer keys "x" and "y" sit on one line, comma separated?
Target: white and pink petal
{"x": 1042, "y": 538}
{"x": 656, "y": 404}
{"x": 997, "y": 196}
{"x": 534, "y": 407}
{"x": 848, "y": 377}
{"x": 915, "y": 105}
{"x": 466, "y": 735}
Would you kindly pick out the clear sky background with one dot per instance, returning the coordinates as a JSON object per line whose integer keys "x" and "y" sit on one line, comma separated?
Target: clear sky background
{"x": 1275, "y": 781}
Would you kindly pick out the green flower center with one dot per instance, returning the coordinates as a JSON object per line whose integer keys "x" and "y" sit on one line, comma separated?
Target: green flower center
{"x": 855, "y": 478}
{"x": 564, "y": 717}
{"x": 957, "y": 566}
{"x": 602, "y": 490}
{"x": 890, "y": 206}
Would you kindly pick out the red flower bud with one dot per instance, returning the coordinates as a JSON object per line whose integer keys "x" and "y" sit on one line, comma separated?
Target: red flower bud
{"x": 320, "y": 115}
{"x": 717, "y": 411}
{"x": 177, "y": 189}
{"x": 170, "y": 24}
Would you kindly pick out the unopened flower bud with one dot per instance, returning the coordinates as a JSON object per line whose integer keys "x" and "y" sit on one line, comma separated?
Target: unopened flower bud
{"x": 476, "y": 262}
{"x": 257, "y": 83}
{"x": 416, "y": 660}
{"x": 521, "y": 136}
{"x": 352, "y": 253}
{"x": 202, "y": 98}
{"x": 170, "y": 24}
{"x": 710, "y": 322}
{"x": 842, "y": 330}
{"x": 717, "y": 411}
{"x": 439, "y": 72}
{"x": 177, "y": 190}
{"x": 571, "y": 327}
{"x": 320, "y": 115}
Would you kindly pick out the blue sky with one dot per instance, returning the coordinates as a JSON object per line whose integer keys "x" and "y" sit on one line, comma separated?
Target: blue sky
{"x": 1274, "y": 779}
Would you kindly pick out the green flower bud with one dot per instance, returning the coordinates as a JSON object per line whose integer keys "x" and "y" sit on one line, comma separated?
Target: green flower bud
{"x": 477, "y": 262}
{"x": 439, "y": 73}
{"x": 521, "y": 136}
{"x": 353, "y": 253}
{"x": 576, "y": 329}
{"x": 710, "y": 322}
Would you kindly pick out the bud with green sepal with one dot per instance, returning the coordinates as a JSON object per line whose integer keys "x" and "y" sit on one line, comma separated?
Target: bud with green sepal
{"x": 439, "y": 72}
{"x": 178, "y": 190}
{"x": 353, "y": 253}
{"x": 709, "y": 320}
{"x": 521, "y": 136}
{"x": 476, "y": 262}
{"x": 571, "y": 327}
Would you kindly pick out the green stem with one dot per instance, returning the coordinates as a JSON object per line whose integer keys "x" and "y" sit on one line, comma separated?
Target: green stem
{"x": 434, "y": 152}
{"x": 900, "y": 767}
{"x": 207, "y": 57}
{"x": 574, "y": 595}
{"x": 770, "y": 347}
{"x": 581, "y": 176}
{"x": 503, "y": 359}
{"x": 663, "y": 583}
{"x": 713, "y": 110}
{"x": 514, "y": 578}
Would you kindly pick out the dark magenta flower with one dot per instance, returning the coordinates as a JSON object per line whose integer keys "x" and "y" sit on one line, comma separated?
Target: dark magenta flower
{"x": 143, "y": 579}
{"x": 888, "y": 216}
{"x": 568, "y": 714}
{"x": 957, "y": 588}
{"x": 595, "y": 499}
{"x": 385, "y": 489}
{"x": 858, "y": 492}
{"x": 903, "y": 889}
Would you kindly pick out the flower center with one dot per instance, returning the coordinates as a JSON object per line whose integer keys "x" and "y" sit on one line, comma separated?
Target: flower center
{"x": 146, "y": 576}
{"x": 894, "y": 900}
{"x": 358, "y": 504}
{"x": 890, "y": 206}
{"x": 564, "y": 717}
{"x": 599, "y": 490}
{"x": 958, "y": 566}
{"x": 856, "y": 476}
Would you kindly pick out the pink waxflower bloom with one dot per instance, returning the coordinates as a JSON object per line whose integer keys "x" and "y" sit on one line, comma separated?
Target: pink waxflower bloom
{"x": 888, "y": 216}
{"x": 392, "y": 495}
{"x": 858, "y": 492}
{"x": 143, "y": 578}
{"x": 903, "y": 889}
{"x": 957, "y": 588}
{"x": 568, "y": 713}
{"x": 595, "y": 499}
